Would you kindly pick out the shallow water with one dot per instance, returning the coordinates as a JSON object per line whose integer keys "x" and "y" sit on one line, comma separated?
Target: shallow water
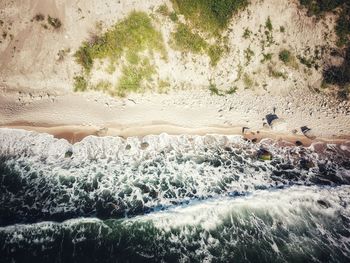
{"x": 173, "y": 199}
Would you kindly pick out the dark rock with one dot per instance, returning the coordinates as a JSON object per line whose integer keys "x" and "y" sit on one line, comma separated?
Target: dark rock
{"x": 298, "y": 143}
{"x": 68, "y": 154}
{"x": 264, "y": 155}
{"x": 323, "y": 203}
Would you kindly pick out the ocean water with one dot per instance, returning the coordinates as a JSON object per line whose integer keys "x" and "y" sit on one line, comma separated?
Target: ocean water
{"x": 172, "y": 199}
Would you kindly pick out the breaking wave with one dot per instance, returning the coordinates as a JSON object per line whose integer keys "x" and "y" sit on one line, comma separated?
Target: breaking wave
{"x": 172, "y": 198}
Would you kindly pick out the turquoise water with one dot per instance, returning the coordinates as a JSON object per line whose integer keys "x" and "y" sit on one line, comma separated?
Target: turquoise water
{"x": 172, "y": 199}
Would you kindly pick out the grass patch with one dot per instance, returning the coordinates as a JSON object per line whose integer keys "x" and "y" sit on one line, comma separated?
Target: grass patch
{"x": 130, "y": 36}
{"x": 343, "y": 27}
{"x": 266, "y": 57}
{"x": 104, "y": 86}
{"x": 133, "y": 76}
{"x": 249, "y": 54}
{"x": 247, "y": 33}
{"x": 214, "y": 90}
{"x": 285, "y": 56}
{"x": 185, "y": 40}
{"x": 248, "y": 81}
{"x": 209, "y": 15}
{"x": 268, "y": 24}
{"x": 80, "y": 83}
{"x": 173, "y": 17}
{"x": 319, "y": 7}
{"x": 215, "y": 52}
{"x": 163, "y": 10}
{"x": 232, "y": 90}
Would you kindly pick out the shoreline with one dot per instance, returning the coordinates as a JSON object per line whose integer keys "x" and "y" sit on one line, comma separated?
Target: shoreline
{"x": 76, "y": 133}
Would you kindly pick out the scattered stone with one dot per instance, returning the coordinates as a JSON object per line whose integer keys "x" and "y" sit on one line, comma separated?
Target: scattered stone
{"x": 255, "y": 140}
{"x": 298, "y": 143}
{"x": 264, "y": 155}
{"x": 128, "y": 147}
{"x": 307, "y": 132}
{"x": 68, "y": 154}
{"x": 245, "y": 129}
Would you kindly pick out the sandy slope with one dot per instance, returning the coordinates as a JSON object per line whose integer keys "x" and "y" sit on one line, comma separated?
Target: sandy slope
{"x": 36, "y": 88}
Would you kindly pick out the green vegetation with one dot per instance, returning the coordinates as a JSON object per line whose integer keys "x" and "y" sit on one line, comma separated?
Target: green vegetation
{"x": 80, "y": 83}
{"x": 133, "y": 75}
{"x": 318, "y": 7}
{"x": 248, "y": 53}
{"x": 163, "y": 10}
{"x": 247, "y": 33}
{"x": 173, "y": 17}
{"x": 232, "y": 90}
{"x": 266, "y": 57}
{"x": 104, "y": 86}
{"x": 268, "y": 24}
{"x": 214, "y": 90}
{"x": 130, "y": 36}
{"x": 209, "y": 15}
{"x": 163, "y": 85}
{"x": 215, "y": 52}
{"x": 54, "y": 22}
{"x": 186, "y": 41}
{"x": 282, "y": 29}
{"x": 248, "y": 81}
{"x": 343, "y": 27}
{"x": 285, "y": 56}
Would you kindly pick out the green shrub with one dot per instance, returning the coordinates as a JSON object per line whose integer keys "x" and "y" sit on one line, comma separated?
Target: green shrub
{"x": 215, "y": 52}
{"x": 268, "y": 24}
{"x": 132, "y": 35}
{"x": 248, "y": 53}
{"x": 80, "y": 83}
{"x": 247, "y": 33}
{"x": 248, "y": 81}
{"x": 232, "y": 90}
{"x": 173, "y": 17}
{"x": 282, "y": 29}
{"x": 343, "y": 27}
{"x": 163, "y": 10}
{"x": 132, "y": 77}
{"x": 266, "y": 57}
{"x": 185, "y": 40}
{"x": 214, "y": 90}
{"x": 285, "y": 56}
{"x": 209, "y": 15}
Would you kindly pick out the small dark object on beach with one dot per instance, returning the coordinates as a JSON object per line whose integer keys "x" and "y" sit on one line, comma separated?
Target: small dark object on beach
{"x": 255, "y": 140}
{"x": 54, "y": 22}
{"x": 298, "y": 143}
{"x": 270, "y": 118}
